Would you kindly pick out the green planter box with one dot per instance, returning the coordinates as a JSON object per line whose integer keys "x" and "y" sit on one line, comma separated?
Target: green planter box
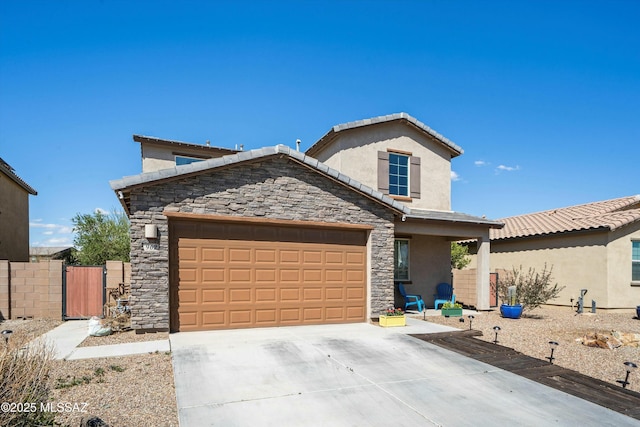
{"x": 452, "y": 312}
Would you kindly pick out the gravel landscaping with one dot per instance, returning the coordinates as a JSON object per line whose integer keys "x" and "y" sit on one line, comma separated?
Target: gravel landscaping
{"x": 531, "y": 333}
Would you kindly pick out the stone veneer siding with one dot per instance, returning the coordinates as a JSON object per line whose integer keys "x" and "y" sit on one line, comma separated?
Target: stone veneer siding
{"x": 276, "y": 188}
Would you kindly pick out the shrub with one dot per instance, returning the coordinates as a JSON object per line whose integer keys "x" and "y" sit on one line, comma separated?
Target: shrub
{"x": 24, "y": 375}
{"x": 532, "y": 289}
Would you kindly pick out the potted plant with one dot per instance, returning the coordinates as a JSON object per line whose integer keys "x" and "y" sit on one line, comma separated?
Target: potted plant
{"x": 393, "y": 317}
{"x": 522, "y": 290}
{"x": 451, "y": 309}
{"x": 511, "y": 309}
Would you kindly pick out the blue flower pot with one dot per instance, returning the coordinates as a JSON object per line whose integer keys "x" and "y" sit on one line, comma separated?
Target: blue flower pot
{"x": 511, "y": 311}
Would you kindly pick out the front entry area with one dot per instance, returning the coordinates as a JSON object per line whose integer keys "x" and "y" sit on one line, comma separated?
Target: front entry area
{"x": 231, "y": 275}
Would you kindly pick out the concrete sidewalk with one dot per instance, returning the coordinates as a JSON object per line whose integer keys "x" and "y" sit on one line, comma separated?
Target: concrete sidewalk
{"x": 67, "y": 337}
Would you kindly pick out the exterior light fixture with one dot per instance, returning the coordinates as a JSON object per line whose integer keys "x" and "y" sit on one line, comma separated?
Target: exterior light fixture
{"x": 471, "y": 317}
{"x": 630, "y": 367}
{"x": 6, "y": 334}
{"x": 553, "y": 345}
{"x": 496, "y": 329}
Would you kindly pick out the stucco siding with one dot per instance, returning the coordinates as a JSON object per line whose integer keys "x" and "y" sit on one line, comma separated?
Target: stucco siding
{"x": 579, "y": 261}
{"x": 429, "y": 264}
{"x": 14, "y": 221}
{"x": 624, "y": 293}
{"x": 273, "y": 188}
{"x": 354, "y": 153}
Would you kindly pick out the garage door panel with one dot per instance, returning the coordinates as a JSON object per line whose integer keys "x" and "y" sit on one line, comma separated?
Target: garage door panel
{"x": 312, "y": 315}
{"x": 240, "y": 318}
{"x": 290, "y": 294}
{"x": 266, "y": 276}
{"x": 213, "y": 296}
{"x": 239, "y": 255}
{"x": 188, "y": 275}
{"x": 334, "y": 313}
{"x": 266, "y": 295}
{"x": 212, "y": 254}
{"x": 239, "y": 295}
{"x": 234, "y": 283}
{"x": 213, "y": 319}
{"x": 188, "y": 296}
{"x": 213, "y": 275}
{"x": 239, "y": 275}
{"x": 290, "y": 315}
{"x": 333, "y": 294}
{"x": 334, "y": 276}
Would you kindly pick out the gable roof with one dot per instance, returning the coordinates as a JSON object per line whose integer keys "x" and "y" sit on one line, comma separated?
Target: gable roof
{"x": 126, "y": 184}
{"x": 401, "y": 117}
{"x": 606, "y": 215}
{"x": 9, "y": 171}
{"x": 123, "y": 186}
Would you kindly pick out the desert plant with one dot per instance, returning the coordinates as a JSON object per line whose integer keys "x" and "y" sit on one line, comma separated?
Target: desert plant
{"x": 532, "y": 288}
{"x": 24, "y": 372}
{"x": 459, "y": 256}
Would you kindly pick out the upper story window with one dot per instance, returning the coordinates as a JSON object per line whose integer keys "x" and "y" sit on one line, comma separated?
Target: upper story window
{"x": 635, "y": 261}
{"x": 183, "y": 160}
{"x": 398, "y": 174}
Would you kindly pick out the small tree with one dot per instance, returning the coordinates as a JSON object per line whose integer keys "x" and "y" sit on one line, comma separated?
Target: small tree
{"x": 532, "y": 288}
{"x": 459, "y": 256}
{"x": 101, "y": 237}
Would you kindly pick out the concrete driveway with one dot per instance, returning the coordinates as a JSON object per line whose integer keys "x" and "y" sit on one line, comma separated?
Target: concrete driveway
{"x": 357, "y": 375}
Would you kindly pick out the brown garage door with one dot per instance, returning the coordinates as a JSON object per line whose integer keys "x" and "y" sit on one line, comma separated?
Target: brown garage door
{"x": 264, "y": 275}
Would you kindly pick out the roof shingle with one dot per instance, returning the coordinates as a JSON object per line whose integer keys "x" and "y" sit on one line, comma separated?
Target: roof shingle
{"x": 607, "y": 214}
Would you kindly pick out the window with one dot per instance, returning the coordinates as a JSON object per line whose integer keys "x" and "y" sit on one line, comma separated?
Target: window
{"x": 401, "y": 259}
{"x": 635, "y": 261}
{"x": 398, "y": 174}
{"x": 182, "y": 160}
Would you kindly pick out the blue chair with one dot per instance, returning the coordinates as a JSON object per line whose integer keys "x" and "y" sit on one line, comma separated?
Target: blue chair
{"x": 411, "y": 300}
{"x": 444, "y": 293}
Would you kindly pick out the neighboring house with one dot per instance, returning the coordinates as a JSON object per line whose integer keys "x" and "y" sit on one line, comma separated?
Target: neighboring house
{"x": 45, "y": 253}
{"x": 595, "y": 246}
{"x": 14, "y": 215}
{"x": 274, "y": 237}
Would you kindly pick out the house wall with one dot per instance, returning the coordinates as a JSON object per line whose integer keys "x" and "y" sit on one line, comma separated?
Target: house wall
{"x": 355, "y": 153}
{"x": 14, "y": 220}
{"x": 623, "y": 292}
{"x": 274, "y": 188}
{"x": 579, "y": 261}
{"x": 156, "y": 157}
{"x": 429, "y": 264}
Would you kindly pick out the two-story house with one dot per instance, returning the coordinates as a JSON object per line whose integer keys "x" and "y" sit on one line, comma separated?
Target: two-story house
{"x": 274, "y": 237}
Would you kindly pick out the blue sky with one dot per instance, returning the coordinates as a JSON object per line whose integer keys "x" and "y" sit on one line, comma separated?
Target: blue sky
{"x": 543, "y": 96}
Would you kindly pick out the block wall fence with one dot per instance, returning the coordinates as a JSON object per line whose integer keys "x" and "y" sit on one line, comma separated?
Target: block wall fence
{"x": 34, "y": 290}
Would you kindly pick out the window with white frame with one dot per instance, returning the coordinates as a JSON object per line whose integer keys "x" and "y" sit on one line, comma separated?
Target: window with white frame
{"x": 398, "y": 174}
{"x": 635, "y": 261}
{"x": 401, "y": 259}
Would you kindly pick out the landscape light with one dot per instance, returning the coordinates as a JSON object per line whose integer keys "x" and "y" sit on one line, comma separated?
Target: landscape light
{"x": 471, "y": 317}
{"x": 553, "y": 345}
{"x": 630, "y": 367}
{"x": 496, "y": 329}
{"x": 6, "y": 334}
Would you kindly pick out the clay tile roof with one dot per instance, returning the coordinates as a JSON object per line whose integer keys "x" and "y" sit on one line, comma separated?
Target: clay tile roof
{"x": 606, "y": 215}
